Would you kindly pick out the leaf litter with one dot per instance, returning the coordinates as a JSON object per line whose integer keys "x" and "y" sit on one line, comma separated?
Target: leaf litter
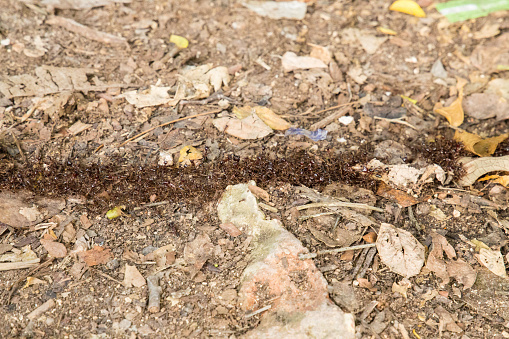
{"x": 80, "y": 147}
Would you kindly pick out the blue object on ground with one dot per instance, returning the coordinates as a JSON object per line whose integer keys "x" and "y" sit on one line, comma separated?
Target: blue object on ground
{"x": 319, "y": 134}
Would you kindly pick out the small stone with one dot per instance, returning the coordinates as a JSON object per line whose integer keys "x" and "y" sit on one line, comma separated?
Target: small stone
{"x": 124, "y": 324}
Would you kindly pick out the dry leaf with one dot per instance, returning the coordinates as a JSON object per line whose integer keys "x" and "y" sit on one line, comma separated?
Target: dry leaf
{"x": 400, "y": 251}
{"x": 474, "y": 168}
{"x": 489, "y": 30}
{"x": 477, "y": 145}
{"x": 55, "y": 249}
{"x": 189, "y": 154}
{"x": 271, "y": 119}
{"x": 251, "y": 127}
{"x": 259, "y": 192}
{"x": 492, "y": 260}
{"x": 401, "y": 287}
{"x": 198, "y": 251}
{"x": 498, "y": 179}
{"x": 370, "y": 237}
{"x": 242, "y": 112}
{"x": 403, "y": 175}
{"x": 292, "y": 62}
{"x": 219, "y": 76}
{"x": 487, "y": 105}
{"x": 96, "y": 256}
{"x": 408, "y": 7}
{"x": 462, "y": 272}
{"x": 447, "y": 321}
{"x": 402, "y": 198}
{"x": 453, "y": 113}
{"x": 151, "y": 97}
{"x": 133, "y": 277}
{"x": 231, "y": 229}
{"x": 320, "y": 52}
{"x": 33, "y": 281}
{"x": 48, "y": 80}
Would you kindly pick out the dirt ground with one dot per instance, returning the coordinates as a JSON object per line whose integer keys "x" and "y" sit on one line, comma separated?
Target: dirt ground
{"x": 73, "y": 152}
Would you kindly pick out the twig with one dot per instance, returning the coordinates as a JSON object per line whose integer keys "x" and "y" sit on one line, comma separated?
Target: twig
{"x": 339, "y": 204}
{"x": 331, "y": 118}
{"x": 154, "y": 294}
{"x": 19, "y": 146}
{"x": 397, "y": 121}
{"x": 35, "y": 314}
{"x": 168, "y": 123}
{"x": 85, "y": 31}
{"x": 367, "y": 262}
{"x": 105, "y": 275}
{"x": 329, "y": 109}
{"x": 306, "y": 217}
{"x": 152, "y": 204}
{"x": 260, "y": 310}
{"x": 335, "y": 250}
{"x": 22, "y": 278}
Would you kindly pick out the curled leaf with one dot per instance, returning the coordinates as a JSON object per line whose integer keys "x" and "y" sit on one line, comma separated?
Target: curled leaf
{"x": 453, "y": 113}
{"x": 499, "y": 179}
{"x": 181, "y": 42}
{"x": 115, "y": 212}
{"x": 189, "y": 154}
{"x": 271, "y": 119}
{"x": 408, "y": 7}
{"x": 477, "y": 145}
{"x": 385, "y": 30}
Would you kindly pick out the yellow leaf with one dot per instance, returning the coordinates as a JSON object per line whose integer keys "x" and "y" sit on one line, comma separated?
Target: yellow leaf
{"x": 115, "y": 212}
{"x": 33, "y": 281}
{"x": 189, "y": 154}
{"x": 408, "y": 7}
{"x": 242, "y": 112}
{"x": 181, "y": 42}
{"x": 387, "y": 31}
{"x": 454, "y": 113}
{"x": 271, "y": 119}
{"x": 477, "y": 145}
{"x": 479, "y": 244}
{"x": 499, "y": 179}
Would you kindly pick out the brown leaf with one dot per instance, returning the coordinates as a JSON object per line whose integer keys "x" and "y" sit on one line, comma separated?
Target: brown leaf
{"x": 251, "y": 127}
{"x": 198, "y": 251}
{"x": 259, "y": 192}
{"x": 477, "y": 145}
{"x": 370, "y": 237}
{"x": 96, "y": 256}
{"x": 271, "y": 119}
{"x": 402, "y": 198}
{"x": 399, "y": 250}
{"x": 55, "y": 249}
{"x": 231, "y": 229}
{"x": 453, "y": 113}
{"x": 133, "y": 277}
{"x": 462, "y": 272}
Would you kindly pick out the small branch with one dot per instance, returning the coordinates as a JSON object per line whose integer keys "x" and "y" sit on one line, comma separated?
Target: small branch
{"x": 152, "y": 204}
{"x": 142, "y": 134}
{"x": 306, "y": 217}
{"x": 330, "y": 108}
{"x": 335, "y": 250}
{"x": 397, "y": 121}
{"x": 340, "y": 204}
{"x": 35, "y": 314}
{"x": 258, "y": 311}
{"x": 154, "y": 294}
{"x": 85, "y": 31}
